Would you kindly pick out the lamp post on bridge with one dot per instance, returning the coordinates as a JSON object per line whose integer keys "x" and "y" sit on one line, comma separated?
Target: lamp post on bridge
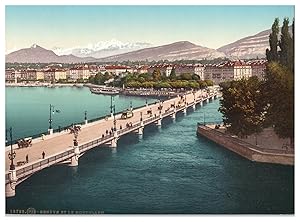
{"x": 111, "y": 105}
{"x": 10, "y": 187}
{"x": 51, "y": 112}
{"x": 12, "y": 154}
{"x": 130, "y": 105}
{"x": 141, "y": 119}
{"x": 85, "y": 117}
{"x": 115, "y": 121}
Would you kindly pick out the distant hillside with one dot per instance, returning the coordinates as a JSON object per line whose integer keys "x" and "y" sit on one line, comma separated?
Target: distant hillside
{"x": 248, "y": 47}
{"x": 175, "y": 51}
{"x": 37, "y": 54}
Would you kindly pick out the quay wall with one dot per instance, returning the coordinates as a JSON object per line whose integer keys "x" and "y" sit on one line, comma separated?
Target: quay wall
{"x": 244, "y": 149}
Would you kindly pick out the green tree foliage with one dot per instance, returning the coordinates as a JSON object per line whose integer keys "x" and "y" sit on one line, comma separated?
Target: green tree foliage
{"x": 209, "y": 82}
{"x": 278, "y": 88}
{"x": 186, "y": 76}
{"x": 242, "y": 106}
{"x": 148, "y": 84}
{"x": 286, "y": 46}
{"x": 173, "y": 74}
{"x": 195, "y": 77}
{"x": 202, "y": 84}
{"x": 279, "y": 94}
{"x": 156, "y": 75}
{"x": 272, "y": 54}
{"x": 162, "y": 84}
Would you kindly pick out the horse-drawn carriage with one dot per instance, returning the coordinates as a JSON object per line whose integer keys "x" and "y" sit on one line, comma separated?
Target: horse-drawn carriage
{"x": 26, "y": 142}
{"x": 127, "y": 114}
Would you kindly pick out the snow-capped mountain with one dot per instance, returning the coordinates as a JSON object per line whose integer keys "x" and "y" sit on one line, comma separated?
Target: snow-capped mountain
{"x": 102, "y": 49}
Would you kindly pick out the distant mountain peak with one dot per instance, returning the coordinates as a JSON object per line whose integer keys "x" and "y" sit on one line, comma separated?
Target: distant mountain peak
{"x": 102, "y": 48}
{"x": 34, "y": 46}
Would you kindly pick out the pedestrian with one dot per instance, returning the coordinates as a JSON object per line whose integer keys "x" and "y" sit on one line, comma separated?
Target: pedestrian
{"x": 27, "y": 158}
{"x": 43, "y": 155}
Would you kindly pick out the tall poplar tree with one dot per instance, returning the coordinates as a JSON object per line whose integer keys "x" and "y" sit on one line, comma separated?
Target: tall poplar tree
{"x": 272, "y": 53}
{"x": 286, "y": 46}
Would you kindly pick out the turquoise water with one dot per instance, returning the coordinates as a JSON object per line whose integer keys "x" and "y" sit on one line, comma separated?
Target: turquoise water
{"x": 27, "y": 109}
{"x": 170, "y": 170}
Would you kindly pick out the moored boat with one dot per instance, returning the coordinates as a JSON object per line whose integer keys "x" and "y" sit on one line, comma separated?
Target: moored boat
{"x": 105, "y": 91}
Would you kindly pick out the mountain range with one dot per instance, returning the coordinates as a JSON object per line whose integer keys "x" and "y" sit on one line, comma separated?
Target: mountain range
{"x": 249, "y": 47}
{"x": 102, "y": 49}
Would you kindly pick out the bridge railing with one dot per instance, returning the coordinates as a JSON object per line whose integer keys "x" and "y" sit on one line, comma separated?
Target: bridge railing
{"x": 94, "y": 142}
{"x": 43, "y": 163}
{"x": 150, "y": 119}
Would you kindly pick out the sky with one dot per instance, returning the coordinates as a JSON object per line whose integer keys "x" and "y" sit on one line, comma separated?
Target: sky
{"x": 71, "y": 26}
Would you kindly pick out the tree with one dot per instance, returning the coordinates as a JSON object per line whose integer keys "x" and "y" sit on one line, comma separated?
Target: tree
{"x": 242, "y": 106}
{"x": 173, "y": 74}
{"x": 209, "y": 82}
{"x": 202, "y": 84}
{"x": 279, "y": 95}
{"x": 195, "y": 77}
{"x": 156, "y": 75}
{"x": 186, "y": 76}
{"x": 148, "y": 84}
{"x": 272, "y": 54}
{"x": 286, "y": 46}
{"x": 293, "y": 46}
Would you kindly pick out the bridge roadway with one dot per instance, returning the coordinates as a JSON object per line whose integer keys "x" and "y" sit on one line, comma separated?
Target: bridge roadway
{"x": 59, "y": 148}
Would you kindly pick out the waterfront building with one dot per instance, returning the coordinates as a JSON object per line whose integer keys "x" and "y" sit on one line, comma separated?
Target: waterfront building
{"x": 60, "y": 74}
{"x": 18, "y": 76}
{"x": 118, "y": 70}
{"x": 93, "y": 69}
{"x": 49, "y": 75}
{"x": 227, "y": 71}
{"x": 164, "y": 69}
{"x": 10, "y": 75}
{"x": 191, "y": 69}
{"x": 72, "y": 74}
{"x": 40, "y": 75}
{"x": 199, "y": 71}
{"x": 258, "y": 68}
{"x": 31, "y": 75}
{"x": 213, "y": 72}
{"x": 142, "y": 69}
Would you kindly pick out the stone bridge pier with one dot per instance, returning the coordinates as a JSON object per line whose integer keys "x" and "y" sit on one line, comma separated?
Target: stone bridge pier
{"x": 114, "y": 142}
{"x": 10, "y": 187}
{"x": 75, "y": 158}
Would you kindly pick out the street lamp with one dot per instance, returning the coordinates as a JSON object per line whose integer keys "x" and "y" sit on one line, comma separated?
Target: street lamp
{"x": 12, "y": 154}
{"x": 141, "y": 119}
{"x": 130, "y": 105}
{"x": 85, "y": 113}
{"x": 146, "y": 102}
{"x": 115, "y": 121}
{"x": 111, "y": 104}
{"x": 51, "y": 111}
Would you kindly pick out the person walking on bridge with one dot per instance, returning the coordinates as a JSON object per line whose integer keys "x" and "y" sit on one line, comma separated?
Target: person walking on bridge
{"x": 43, "y": 155}
{"x": 27, "y": 158}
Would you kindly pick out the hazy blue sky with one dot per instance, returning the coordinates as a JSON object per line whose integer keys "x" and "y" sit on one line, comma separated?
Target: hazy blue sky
{"x": 69, "y": 26}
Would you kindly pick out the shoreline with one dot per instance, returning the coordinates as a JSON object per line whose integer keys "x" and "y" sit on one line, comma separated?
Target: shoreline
{"x": 245, "y": 149}
{"x": 46, "y": 85}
